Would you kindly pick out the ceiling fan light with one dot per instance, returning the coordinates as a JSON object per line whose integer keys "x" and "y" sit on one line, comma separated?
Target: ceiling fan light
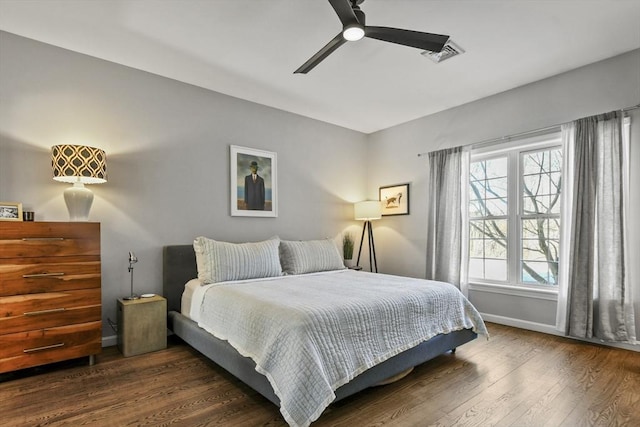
{"x": 353, "y": 32}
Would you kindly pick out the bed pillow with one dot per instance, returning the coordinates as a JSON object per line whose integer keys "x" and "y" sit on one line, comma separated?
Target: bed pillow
{"x": 309, "y": 256}
{"x": 223, "y": 261}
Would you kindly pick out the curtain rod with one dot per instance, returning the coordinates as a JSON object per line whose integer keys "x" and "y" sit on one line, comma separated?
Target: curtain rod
{"x": 521, "y": 134}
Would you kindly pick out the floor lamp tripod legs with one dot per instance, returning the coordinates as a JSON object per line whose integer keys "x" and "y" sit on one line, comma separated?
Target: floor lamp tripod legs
{"x": 373, "y": 262}
{"x": 364, "y": 226}
{"x": 372, "y": 249}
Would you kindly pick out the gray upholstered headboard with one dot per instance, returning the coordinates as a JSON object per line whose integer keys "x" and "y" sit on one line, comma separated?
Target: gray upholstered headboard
{"x": 178, "y": 267}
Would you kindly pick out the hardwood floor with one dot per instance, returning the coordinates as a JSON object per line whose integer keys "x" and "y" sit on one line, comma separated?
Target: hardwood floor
{"x": 517, "y": 378}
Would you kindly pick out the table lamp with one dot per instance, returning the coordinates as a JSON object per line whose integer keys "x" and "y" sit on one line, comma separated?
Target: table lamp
{"x": 132, "y": 260}
{"x": 368, "y": 211}
{"x": 78, "y": 165}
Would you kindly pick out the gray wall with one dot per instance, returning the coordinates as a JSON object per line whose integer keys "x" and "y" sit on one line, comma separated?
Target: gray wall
{"x": 392, "y": 153}
{"x": 167, "y": 147}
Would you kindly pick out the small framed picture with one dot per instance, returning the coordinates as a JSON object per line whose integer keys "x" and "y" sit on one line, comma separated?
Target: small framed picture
{"x": 394, "y": 199}
{"x": 10, "y": 211}
{"x": 254, "y": 190}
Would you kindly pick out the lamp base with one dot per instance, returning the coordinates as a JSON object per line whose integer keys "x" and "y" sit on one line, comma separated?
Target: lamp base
{"x": 78, "y": 200}
{"x": 373, "y": 262}
{"x": 131, "y": 298}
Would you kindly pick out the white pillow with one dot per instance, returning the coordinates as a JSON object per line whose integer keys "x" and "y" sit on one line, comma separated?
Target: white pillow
{"x": 223, "y": 261}
{"x": 310, "y": 256}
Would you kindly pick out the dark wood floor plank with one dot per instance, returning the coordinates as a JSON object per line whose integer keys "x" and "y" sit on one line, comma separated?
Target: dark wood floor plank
{"x": 518, "y": 378}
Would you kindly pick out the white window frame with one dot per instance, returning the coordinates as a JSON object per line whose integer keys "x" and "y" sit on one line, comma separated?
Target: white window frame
{"x": 513, "y": 149}
{"x": 520, "y": 216}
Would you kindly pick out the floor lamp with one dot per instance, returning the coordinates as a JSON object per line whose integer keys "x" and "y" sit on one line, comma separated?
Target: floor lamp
{"x": 368, "y": 211}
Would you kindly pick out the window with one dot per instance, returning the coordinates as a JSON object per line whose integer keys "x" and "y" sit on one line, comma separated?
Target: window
{"x": 514, "y": 213}
{"x": 540, "y": 216}
{"x": 488, "y": 224}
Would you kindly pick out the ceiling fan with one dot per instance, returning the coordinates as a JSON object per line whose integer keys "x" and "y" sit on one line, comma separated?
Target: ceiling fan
{"x": 354, "y": 28}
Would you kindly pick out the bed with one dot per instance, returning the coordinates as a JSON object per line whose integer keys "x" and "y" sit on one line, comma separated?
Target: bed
{"x": 180, "y": 267}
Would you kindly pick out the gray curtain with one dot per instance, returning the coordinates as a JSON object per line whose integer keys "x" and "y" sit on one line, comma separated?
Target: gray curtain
{"x": 445, "y": 216}
{"x": 597, "y": 305}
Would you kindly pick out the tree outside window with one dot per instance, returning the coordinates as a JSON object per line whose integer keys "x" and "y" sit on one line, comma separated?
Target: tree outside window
{"x": 488, "y": 225}
{"x": 540, "y": 216}
{"x": 523, "y": 188}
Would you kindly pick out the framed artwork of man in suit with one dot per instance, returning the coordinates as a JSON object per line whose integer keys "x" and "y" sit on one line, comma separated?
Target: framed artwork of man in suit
{"x": 253, "y": 182}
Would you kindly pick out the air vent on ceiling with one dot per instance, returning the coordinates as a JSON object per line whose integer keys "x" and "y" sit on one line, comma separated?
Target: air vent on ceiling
{"x": 448, "y": 51}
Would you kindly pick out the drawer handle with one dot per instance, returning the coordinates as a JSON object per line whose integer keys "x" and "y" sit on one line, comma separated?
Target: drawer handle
{"x": 31, "y": 276}
{"x": 46, "y": 347}
{"x": 37, "y": 313}
{"x": 28, "y": 239}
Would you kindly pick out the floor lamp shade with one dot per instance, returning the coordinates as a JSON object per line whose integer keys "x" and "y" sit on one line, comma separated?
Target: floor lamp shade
{"x": 78, "y": 165}
{"x": 368, "y": 211}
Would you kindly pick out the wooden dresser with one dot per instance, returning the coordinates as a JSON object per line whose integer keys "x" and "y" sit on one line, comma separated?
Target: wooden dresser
{"x": 50, "y": 302}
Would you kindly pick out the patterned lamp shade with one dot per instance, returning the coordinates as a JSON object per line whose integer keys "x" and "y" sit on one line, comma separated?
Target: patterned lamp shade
{"x": 79, "y": 163}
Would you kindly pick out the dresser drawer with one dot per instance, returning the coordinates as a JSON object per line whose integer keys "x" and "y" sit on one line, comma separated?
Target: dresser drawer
{"x": 32, "y": 275}
{"x": 50, "y": 302}
{"x": 38, "y": 347}
{"x": 46, "y": 239}
{"x": 45, "y": 310}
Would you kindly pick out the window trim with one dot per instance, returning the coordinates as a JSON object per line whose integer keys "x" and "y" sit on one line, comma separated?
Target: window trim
{"x": 520, "y": 215}
{"x": 513, "y": 150}
{"x": 491, "y": 156}
{"x": 538, "y": 292}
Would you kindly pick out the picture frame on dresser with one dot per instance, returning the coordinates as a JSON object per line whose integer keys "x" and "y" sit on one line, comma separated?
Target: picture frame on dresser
{"x": 10, "y": 211}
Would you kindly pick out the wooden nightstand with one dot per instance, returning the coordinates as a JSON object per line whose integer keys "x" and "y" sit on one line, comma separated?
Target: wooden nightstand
{"x": 142, "y": 325}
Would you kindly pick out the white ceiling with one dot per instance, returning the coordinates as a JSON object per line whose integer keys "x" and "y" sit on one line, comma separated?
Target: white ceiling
{"x": 250, "y": 48}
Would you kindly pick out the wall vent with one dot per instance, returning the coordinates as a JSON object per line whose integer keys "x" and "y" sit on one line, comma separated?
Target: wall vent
{"x": 448, "y": 51}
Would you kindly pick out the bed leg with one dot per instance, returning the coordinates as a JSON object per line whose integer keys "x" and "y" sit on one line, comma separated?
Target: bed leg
{"x": 453, "y": 351}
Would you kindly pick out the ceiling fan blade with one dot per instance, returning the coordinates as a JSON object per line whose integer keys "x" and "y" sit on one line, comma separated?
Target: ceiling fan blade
{"x": 344, "y": 12}
{"x": 417, "y": 39}
{"x": 335, "y": 43}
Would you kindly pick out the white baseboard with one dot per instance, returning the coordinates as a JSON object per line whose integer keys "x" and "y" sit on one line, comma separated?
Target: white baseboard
{"x": 549, "y": 329}
{"x": 109, "y": 341}
{"x": 522, "y": 324}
